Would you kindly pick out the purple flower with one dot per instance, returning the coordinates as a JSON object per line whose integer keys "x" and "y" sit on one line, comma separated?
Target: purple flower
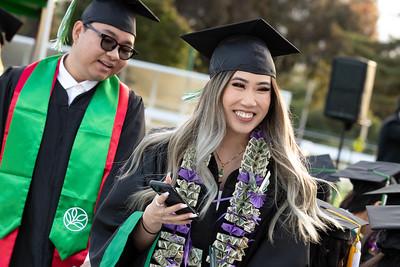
{"x": 256, "y": 199}
{"x": 245, "y": 178}
{"x": 259, "y": 179}
{"x": 189, "y": 175}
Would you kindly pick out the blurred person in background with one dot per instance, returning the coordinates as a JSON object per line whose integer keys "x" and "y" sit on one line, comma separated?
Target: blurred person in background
{"x": 389, "y": 138}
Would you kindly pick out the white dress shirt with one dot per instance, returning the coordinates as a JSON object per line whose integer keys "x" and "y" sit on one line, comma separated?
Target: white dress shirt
{"x": 72, "y": 87}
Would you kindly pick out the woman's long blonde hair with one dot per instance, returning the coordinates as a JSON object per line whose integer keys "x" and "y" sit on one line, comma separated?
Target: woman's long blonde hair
{"x": 205, "y": 129}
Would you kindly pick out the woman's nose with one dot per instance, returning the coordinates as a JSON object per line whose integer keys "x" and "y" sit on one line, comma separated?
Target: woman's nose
{"x": 249, "y": 98}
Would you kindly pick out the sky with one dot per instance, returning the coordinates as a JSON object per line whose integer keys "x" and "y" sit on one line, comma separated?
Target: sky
{"x": 389, "y": 19}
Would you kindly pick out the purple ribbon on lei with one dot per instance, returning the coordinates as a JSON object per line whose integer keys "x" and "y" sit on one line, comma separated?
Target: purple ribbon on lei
{"x": 172, "y": 263}
{"x": 233, "y": 229}
{"x": 229, "y": 248}
{"x": 187, "y": 249}
{"x": 257, "y": 134}
{"x": 245, "y": 178}
{"x": 256, "y": 219}
{"x": 183, "y": 229}
{"x": 256, "y": 199}
{"x": 189, "y": 175}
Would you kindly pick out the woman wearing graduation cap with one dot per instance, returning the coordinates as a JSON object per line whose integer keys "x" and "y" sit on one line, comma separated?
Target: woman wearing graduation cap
{"x": 235, "y": 161}
{"x": 64, "y": 121}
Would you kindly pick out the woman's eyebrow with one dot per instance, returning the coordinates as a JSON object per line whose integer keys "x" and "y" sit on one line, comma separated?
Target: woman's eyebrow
{"x": 264, "y": 83}
{"x": 240, "y": 79}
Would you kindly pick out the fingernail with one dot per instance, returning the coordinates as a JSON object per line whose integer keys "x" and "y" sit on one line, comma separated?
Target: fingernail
{"x": 165, "y": 194}
{"x": 193, "y": 215}
{"x": 183, "y": 206}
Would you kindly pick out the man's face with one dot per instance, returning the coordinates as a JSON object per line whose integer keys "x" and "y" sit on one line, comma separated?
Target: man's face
{"x": 91, "y": 61}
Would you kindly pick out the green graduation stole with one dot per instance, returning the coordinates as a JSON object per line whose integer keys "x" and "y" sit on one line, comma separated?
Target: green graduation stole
{"x": 114, "y": 250}
{"x": 74, "y": 214}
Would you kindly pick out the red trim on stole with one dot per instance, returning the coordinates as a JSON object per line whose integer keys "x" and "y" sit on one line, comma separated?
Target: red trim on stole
{"x": 78, "y": 258}
{"x": 7, "y": 246}
{"x": 22, "y": 80}
{"x": 8, "y": 242}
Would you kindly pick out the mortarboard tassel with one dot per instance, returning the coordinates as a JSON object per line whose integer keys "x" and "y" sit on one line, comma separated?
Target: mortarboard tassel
{"x": 353, "y": 260}
{"x": 355, "y": 252}
{"x": 192, "y": 95}
{"x": 65, "y": 25}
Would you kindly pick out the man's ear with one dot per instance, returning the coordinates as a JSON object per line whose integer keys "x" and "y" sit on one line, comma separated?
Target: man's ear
{"x": 77, "y": 30}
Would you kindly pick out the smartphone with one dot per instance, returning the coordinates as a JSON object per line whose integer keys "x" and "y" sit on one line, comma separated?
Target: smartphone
{"x": 173, "y": 197}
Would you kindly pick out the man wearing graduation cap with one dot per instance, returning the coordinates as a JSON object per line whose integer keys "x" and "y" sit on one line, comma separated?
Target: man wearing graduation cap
{"x": 65, "y": 121}
{"x": 9, "y": 25}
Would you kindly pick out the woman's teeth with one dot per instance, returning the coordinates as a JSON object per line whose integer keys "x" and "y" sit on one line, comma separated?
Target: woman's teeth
{"x": 245, "y": 115}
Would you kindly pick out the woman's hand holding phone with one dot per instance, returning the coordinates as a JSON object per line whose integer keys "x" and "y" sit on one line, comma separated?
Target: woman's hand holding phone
{"x": 158, "y": 213}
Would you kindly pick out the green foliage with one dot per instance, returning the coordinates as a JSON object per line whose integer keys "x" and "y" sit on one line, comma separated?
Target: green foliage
{"x": 160, "y": 42}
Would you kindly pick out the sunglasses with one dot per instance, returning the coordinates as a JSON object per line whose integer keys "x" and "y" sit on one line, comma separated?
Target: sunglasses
{"x": 109, "y": 44}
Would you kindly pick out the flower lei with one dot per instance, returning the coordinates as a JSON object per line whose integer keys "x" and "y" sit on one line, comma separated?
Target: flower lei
{"x": 175, "y": 246}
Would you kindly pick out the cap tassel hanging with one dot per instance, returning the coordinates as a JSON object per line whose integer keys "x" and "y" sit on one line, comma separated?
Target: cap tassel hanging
{"x": 355, "y": 252}
{"x": 65, "y": 25}
{"x": 189, "y": 96}
{"x": 354, "y": 257}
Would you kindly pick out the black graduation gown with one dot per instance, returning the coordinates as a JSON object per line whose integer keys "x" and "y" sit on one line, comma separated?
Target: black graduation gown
{"x": 284, "y": 252}
{"x": 332, "y": 251}
{"x": 389, "y": 243}
{"x": 33, "y": 247}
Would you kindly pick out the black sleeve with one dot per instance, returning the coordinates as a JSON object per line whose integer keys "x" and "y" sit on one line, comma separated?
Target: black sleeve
{"x": 113, "y": 211}
{"x": 8, "y": 82}
{"x": 283, "y": 252}
{"x": 132, "y": 133}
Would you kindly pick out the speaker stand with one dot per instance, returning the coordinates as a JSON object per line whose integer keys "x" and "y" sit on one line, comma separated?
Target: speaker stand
{"x": 346, "y": 127}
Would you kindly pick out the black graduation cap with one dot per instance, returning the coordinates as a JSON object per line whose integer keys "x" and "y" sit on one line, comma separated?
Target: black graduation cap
{"x": 387, "y": 220}
{"x": 9, "y": 25}
{"x": 346, "y": 219}
{"x": 118, "y": 13}
{"x": 365, "y": 171}
{"x": 384, "y": 217}
{"x": 332, "y": 250}
{"x": 392, "y": 191}
{"x": 366, "y": 176}
{"x": 321, "y": 166}
{"x": 247, "y": 46}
